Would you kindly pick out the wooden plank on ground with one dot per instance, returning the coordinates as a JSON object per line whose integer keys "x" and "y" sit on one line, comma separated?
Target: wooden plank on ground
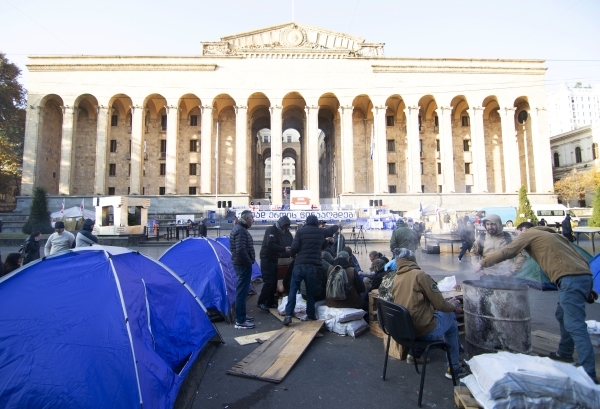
{"x": 543, "y": 342}
{"x": 464, "y": 399}
{"x": 274, "y": 358}
{"x": 252, "y": 338}
{"x": 281, "y": 317}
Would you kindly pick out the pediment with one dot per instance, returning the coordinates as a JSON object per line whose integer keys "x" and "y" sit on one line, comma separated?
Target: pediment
{"x": 292, "y": 38}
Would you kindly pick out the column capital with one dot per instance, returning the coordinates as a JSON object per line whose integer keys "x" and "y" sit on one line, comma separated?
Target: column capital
{"x": 170, "y": 108}
{"x": 35, "y": 107}
{"x": 238, "y": 107}
{"x": 449, "y": 109}
{"x": 102, "y": 107}
{"x": 539, "y": 109}
{"x": 510, "y": 109}
{"x": 205, "y": 107}
{"x": 309, "y": 108}
{"x": 376, "y": 109}
{"x": 135, "y": 107}
{"x": 475, "y": 109}
{"x": 272, "y": 108}
{"x": 344, "y": 108}
{"x": 67, "y": 107}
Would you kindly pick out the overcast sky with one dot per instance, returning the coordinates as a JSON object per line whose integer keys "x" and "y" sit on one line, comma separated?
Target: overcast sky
{"x": 566, "y": 33}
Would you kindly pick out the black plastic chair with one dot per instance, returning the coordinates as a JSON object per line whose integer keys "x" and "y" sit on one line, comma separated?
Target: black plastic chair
{"x": 396, "y": 322}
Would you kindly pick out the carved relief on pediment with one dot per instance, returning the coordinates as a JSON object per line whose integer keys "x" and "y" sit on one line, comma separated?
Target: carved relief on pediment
{"x": 220, "y": 48}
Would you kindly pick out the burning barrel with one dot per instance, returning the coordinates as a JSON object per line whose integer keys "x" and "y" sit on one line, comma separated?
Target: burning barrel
{"x": 497, "y": 316}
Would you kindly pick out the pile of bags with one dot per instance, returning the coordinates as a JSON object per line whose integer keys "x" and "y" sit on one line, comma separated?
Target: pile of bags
{"x": 343, "y": 321}
{"x": 507, "y": 380}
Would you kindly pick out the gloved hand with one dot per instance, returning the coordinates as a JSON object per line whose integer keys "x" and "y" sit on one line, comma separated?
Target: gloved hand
{"x": 593, "y": 296}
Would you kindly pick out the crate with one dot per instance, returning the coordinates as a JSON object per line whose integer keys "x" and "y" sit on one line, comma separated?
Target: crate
{"x": 376, "y": 330}
{"x": 464, "y": 399}
{"x": 373, "y": 296}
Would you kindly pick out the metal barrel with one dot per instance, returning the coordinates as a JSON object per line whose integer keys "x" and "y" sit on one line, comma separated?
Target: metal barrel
{"x": 497, "y": 316}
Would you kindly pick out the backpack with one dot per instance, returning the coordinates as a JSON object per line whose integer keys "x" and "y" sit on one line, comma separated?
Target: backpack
{"x": 337, "y": 284}
{"x": 481, "y": 239}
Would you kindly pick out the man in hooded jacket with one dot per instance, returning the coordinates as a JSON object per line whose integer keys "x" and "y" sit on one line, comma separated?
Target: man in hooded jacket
{"x": 306, "y": 250}
{"x": 495, "y": 239}
{"x": 85, "y": 238}
{"x": 276, "y": 244}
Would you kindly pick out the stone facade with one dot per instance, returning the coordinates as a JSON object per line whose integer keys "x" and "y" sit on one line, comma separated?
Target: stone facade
{"x": 126, "y": 125}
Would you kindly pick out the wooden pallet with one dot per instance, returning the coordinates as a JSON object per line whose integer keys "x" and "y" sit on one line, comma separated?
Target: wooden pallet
{"x": 373, "y": 297}
{"x": 275, "y": 357}
{"x": 464, "y": 399}
{"x": 375, "y": 329}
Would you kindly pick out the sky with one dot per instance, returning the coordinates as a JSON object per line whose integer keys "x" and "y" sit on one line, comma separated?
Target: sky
{"x": 565, "y": 33}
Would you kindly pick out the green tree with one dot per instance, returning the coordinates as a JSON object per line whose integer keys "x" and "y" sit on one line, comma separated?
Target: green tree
{"x": 595, "y": 219}
{"x": 524, "y": 208}
{"x": 12, "y": 127}
{"x": 39, "y": 215}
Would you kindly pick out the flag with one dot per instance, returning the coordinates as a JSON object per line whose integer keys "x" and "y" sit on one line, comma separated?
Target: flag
{"x": 82, "y": 206}
{"x": 372, "y": 141}
{"x": 62, "y": 208}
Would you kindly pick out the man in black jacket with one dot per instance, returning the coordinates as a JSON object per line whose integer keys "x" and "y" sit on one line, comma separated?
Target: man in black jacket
{"x": 274, "y": 246}
{"x": 242, "y": 257}
{"x": 306, "y": 249}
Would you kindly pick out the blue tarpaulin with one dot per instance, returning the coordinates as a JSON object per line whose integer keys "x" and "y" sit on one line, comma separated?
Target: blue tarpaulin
{"x": 101, "y": 327}
{"x": 205, "y": 264}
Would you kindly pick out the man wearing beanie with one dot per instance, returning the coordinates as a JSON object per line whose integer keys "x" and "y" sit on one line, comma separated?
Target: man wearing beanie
{"x": 276, "y": 244}
{"x": 59, "y": 241}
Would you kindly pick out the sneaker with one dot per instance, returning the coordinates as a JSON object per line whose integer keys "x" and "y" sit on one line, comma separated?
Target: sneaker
{"x": 249, "y": 318}
{"x": 287, "y": 320}
{"x": 244, "y": 325}
{"x": 459, "y": 260}
{"x": 263, "y": 307}
{"x": 411, "y": 360}
{"x": 274, "y": 305}
{"x": 556, "y": 357}
{"x": 459, "y": 372}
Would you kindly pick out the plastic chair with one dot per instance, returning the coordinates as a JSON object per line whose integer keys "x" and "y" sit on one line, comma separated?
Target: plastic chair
{"x": 396, "y": 322}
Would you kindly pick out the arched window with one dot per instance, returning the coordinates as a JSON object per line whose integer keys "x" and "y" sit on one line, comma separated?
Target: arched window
{"x": 578, "y": 155}
{"x": 594, "y": 151}
{"x": 556, "y": 160}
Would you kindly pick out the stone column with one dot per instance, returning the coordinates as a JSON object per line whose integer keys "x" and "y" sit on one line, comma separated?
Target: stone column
{"x": 171, "y": 159}
{"x": 276, "y": 155}
{"x": 137, "y": 158}
{"x": 478, "y": 143}
{"x": 446, "y": 148}
{"x": 542, "y": 158}
{"x": 241, "y": 169}
{"x": 28, "y": 179}
{"x": 413, "y": 153}
{"x": 206, "y": 149}
{"x": 312, "y": 152}
{"x": 66, "y": 149}
{"x": 510, "y": 151}
{"x": 380, "y": 184}
{"x": 347, "y": 140}
{"x": 101, "y": 144}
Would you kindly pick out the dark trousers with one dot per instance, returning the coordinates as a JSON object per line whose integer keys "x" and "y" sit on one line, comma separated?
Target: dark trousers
{"x": 269, "y": 276}
{"x": 466, "y": 245}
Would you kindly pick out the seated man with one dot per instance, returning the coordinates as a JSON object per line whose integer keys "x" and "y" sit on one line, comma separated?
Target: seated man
{"x": 353, "y": 296}
{"x": 372, "y": 278}
{"x": 433, "y": 317}
{"x": 374, "y": 255}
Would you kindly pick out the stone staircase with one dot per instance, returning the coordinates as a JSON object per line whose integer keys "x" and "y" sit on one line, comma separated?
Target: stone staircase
{"x": 12, "y": 222}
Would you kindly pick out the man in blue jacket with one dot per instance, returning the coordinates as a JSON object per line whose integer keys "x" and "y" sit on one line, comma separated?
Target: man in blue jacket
{"x": 242, "y": 257}
{"x": 306, "y": 250}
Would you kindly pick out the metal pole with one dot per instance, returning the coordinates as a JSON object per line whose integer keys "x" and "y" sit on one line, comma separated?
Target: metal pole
{"x": 217, "y": 164}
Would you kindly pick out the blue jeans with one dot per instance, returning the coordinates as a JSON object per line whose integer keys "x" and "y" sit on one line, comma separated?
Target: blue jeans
{"x": 308, "y": 273}
{"x": 570, "y": 313}
{"x": 244, "y": 274}
{"x": 448, "y": 328}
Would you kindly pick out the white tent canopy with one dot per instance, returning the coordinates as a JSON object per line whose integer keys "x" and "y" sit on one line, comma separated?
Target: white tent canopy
{"x": 428, "y": 209}
{"x": 74, "y": 212}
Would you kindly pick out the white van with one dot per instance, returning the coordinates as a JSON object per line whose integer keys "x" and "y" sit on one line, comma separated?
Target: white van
{"x": 553, "y": 213}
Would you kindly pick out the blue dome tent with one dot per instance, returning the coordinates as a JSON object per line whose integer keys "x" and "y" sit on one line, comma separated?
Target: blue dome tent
{"x": 98, "y": 326}
{"x": 256, "y": 272}
{"x": 205, "y": 265}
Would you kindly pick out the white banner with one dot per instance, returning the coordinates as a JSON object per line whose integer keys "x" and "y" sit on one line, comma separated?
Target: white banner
{"x": 301, "y": 215}
{"x": 183, "y": 218}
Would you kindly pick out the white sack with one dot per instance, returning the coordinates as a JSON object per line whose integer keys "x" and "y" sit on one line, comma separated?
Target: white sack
{"x": 300, "y": 305}
{"x": 505, "y": 373}
{"x": 342, "y": 314}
